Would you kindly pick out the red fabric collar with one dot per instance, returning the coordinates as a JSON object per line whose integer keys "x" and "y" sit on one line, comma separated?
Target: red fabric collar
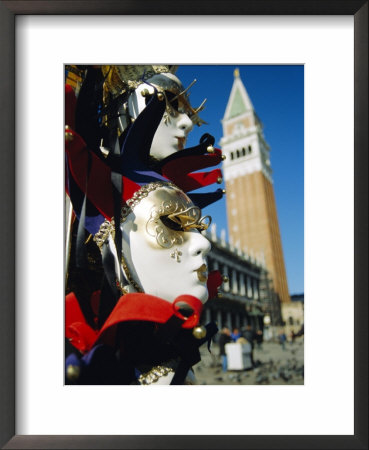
{"x": 135, "y": 306}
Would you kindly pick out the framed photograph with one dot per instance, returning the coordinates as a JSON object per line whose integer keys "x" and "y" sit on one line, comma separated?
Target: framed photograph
{"x": 330, "y": 409}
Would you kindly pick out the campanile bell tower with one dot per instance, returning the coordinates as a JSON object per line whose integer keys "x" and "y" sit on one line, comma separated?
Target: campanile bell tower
{"x": 251, "y": 209}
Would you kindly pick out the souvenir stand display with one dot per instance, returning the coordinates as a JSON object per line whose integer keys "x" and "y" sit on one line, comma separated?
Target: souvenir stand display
{"x": 136, "y": 271}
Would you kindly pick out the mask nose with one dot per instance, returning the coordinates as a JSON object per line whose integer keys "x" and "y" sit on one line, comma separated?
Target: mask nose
{"x": 199, "y": 245}
{"x": 184, "y": 123}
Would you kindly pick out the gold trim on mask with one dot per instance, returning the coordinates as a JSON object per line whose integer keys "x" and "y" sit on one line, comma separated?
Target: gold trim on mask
{"x": 120, "y": 77}
{"x": 127, "y": 273}
{"x": 190, "y": 219}
{"x": 123, "y": 78}
{"x": 156, "y": 372}
{"x": 165, "y": 223}
{"x": 171, "y": 219}
{"x": 107, "y": 228}
{"x": 168, "y": 219}
{"x": 166, "y": 85}
{"x": 164, "y": 236}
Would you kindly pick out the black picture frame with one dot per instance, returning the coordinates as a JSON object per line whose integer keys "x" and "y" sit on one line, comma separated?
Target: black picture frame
{"x": 8, "y": 10}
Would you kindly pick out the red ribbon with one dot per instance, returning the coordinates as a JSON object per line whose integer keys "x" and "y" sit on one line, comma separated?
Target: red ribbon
{"x": 130, "y": 307}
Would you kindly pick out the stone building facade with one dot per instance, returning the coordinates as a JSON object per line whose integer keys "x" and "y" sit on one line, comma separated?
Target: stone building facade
{"x": 293, "y": 314}
{"x": 247, "y": 297}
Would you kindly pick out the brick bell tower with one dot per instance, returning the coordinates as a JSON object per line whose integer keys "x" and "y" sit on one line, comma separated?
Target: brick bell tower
{"x": 251, "y": 209}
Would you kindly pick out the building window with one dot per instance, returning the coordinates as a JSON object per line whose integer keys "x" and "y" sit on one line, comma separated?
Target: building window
{"x": 234, "y": 282}
{"x": 224, "y": 270}
{"x": 238, "y": 153}
{"x": 232, "y": 156}
{"x": 242, "y": 284}
{"x": 256, "y": 289}
{"x": 243, "y": 151}
{"x": 249, "y": 149}
{"x": 249, "y": 287}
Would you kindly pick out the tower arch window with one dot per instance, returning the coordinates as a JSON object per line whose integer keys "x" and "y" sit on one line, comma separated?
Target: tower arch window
{"x": 238, "y": 153}
{"x": 243, "y": 151}
{"x": 232, "y": 156}
{"x": 249, "y": 149}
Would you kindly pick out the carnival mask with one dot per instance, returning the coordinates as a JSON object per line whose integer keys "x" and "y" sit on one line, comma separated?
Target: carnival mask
{"x": 178, "y": 119}
{"x": 163, "y": 248}
{"x": 164, "y": 253}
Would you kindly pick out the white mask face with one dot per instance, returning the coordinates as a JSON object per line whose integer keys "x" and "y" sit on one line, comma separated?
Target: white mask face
{"x": 171, "y": 134}
{"x": 163, "y": 247}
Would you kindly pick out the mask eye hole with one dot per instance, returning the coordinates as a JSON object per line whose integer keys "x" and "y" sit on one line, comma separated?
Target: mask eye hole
{"x": 201, "y": 224}
{"x": 171, "y": 224}
{"x": 172, "y": 100}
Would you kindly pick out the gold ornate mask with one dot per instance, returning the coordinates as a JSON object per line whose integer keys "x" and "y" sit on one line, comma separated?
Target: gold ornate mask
{"x": 171, "y": 214}
{"x": 159, "y": 223}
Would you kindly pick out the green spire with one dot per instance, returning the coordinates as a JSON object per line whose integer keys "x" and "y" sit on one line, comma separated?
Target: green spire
{"x": 238, "y": 105}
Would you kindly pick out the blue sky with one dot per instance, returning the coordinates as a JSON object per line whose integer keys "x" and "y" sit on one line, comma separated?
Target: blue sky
{"x": 277, "y": 93}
